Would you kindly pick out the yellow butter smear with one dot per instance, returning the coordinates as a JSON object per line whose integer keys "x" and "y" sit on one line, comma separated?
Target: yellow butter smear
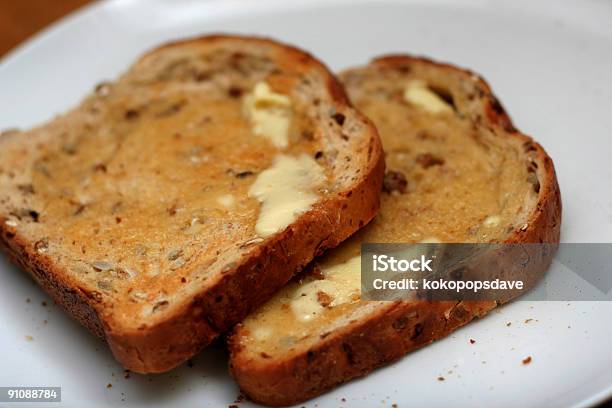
{"x": 417, "y": 93}
{"x": 286, "y": 190}
{"x": 342, "y": 284}
{"x": 270, "y": 114}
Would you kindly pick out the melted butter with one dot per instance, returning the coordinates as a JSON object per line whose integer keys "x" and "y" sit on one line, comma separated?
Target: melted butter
{"x": 341, "y": 284}
{"x": 270, "y": 114}
{"x": 417, "y": 93}
{"x": 285, "y": 190}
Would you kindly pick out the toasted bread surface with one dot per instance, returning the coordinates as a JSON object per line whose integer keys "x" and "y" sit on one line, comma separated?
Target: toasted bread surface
{"x": 457, "y": 171}
{"x": 137, "y": 211}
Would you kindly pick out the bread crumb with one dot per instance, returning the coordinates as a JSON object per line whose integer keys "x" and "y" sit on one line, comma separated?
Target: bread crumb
{"x": 509, "y": 324}
{"x": 472, "y": 341}
{"x": 527, "y": 360}
{"x": 528, "y": 320}
{"x": 43, "y": 303}
{"x": 394, "y": 406}
{"x": 441, "y": 378}
{"x": 29, "y": 338}
{"x": 126, "y": 374}
{"x": 109, "y": 386}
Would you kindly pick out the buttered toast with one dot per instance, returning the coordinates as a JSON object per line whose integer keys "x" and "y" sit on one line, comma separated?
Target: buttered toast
{"x": 457, "y": 171}
{"x": 174, "y": 200}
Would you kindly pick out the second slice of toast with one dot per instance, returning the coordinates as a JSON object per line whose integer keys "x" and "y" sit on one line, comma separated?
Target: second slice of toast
{"x": 174, "y": 200}
{"x": 457, "y": 171}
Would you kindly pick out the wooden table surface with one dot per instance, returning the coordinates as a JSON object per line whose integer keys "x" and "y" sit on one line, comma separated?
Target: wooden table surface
{"x": 19, "y": 19}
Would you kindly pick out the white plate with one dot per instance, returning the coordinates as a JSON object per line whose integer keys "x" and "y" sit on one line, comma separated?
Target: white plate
{"x": 550, "y": 64}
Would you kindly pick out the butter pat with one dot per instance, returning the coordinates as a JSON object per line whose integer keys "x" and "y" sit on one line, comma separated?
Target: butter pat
{"x": 270, "y": 114}
{"x": 285, "y": 190}
{"x": 417, "y": 93}
{"x": 341, "y": 284}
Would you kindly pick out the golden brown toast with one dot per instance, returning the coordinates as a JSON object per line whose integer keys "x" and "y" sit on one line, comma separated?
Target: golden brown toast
{"x": 157, "y": 212}
{"x": 457, "y": 171}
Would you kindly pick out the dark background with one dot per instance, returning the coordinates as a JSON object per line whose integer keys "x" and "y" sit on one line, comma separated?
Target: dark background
{"x": 19, "y": 19}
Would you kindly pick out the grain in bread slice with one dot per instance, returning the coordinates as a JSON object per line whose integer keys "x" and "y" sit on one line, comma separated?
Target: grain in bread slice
{"x": 174, "y": 200}
{"x": 457, "y": 171}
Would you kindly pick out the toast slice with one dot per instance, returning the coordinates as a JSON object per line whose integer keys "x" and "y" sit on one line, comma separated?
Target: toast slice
{"x": 457, "y": 171}
{"x": 174, "y": 200}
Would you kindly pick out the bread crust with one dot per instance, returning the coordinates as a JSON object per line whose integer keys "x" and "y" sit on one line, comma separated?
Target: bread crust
{"x": 401, "y": 327}
{"x": 160, "y": 347}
